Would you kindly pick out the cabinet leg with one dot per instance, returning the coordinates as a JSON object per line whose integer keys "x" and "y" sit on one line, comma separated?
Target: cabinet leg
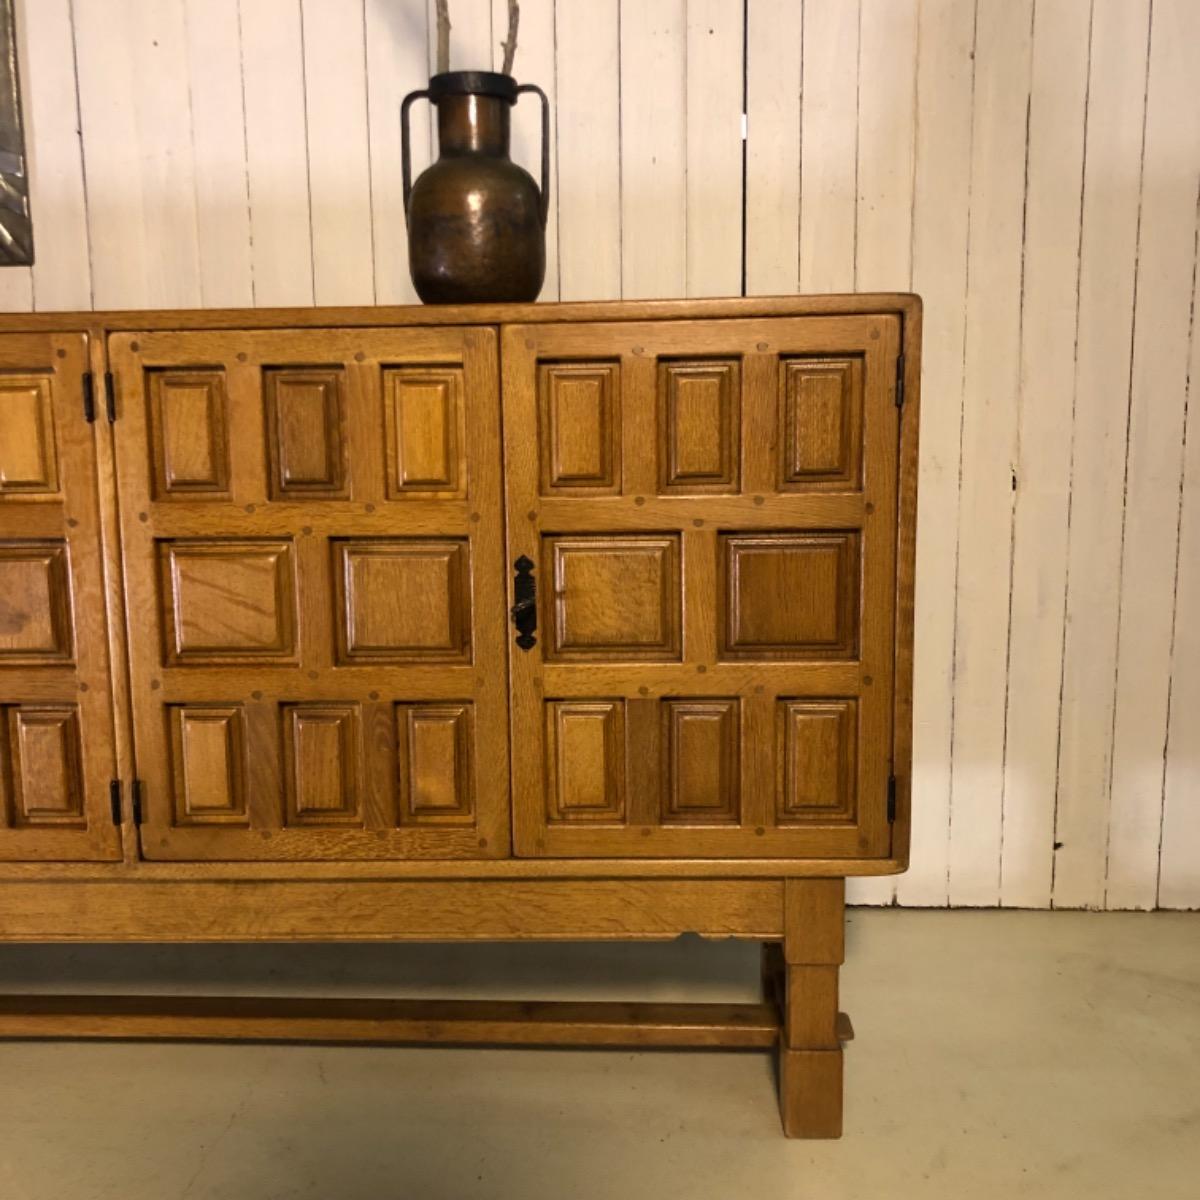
{"x": 810, "y": 1052}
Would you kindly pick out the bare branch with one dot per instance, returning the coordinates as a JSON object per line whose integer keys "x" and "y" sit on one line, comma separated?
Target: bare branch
{"x": 443, "y": 36}
{"x": 510, "y": 46}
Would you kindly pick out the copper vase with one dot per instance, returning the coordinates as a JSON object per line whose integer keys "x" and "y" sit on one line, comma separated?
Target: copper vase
{"x": 476, "y": 220}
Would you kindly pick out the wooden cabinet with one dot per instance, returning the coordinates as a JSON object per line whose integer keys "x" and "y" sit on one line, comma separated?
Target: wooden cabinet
{"x": 579, "y": 620}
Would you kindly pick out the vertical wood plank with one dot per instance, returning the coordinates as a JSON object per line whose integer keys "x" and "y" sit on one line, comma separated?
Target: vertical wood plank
{"x": 1043, "y": 468}
{"x": 588, "y": 125}
{"x": 773, "y": 82}
{"x": 1165, "y": 265}
{"x": 277, "y": 152}
{"x": 884, "y": 206}
{"x": 335, "y": 97}
{"x": 946, "y": 45}
{"x": 219, "y": 143}
{"x": 653, "y": 148}
{"x": 397, "y": 63}
{"x": 829, "y": 146}
{"x": 1112, "y": 180}
{"x": 713, "y": 170}
{"x": 137, "y": 139}
{"x": 62, "y": 272}
{"x": 534, "y": 64}
{"x": 990, "y": 371}
{"x": 1179, "y": 862}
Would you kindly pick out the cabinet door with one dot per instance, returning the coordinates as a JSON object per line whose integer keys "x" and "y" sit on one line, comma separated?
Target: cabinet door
{"x": 314, "y": 564}
{"x": 56, "y": 732}
{"x": 710, "y": 509}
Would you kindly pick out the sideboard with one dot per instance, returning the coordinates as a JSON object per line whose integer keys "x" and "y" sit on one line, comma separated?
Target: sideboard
{"x": 560, "y": 621}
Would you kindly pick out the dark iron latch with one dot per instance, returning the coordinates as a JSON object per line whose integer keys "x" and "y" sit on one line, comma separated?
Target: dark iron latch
{"x": 524, "y": 609}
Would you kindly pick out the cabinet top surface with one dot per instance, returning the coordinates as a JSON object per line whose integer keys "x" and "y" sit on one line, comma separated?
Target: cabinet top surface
{"x": 906, "y": 304}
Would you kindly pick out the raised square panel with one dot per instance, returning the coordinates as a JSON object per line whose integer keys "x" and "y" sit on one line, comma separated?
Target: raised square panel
{"x": 700, "y": 762}
{"x": 35, "y": 603}
{"x": 403, "y": 600}
{"x": 47, "y": 783}
{"x": 28, "y": 462}
{"x": 585, "y": 771}
{"x": 699, "y": 426}
{"x": 817, "y": 751}
{"x": 228, "y": 601}
{"x": 436, "y": 763}
{"x": 208, "y": 763}
{"x": 189, "y": 422}
{"x": 615, "y": 597}
{"x": 320, "y": 760}
{"x": 821, "y": 422}
{"x": 579, "y": 427}
{"x": 305, "y": 432}
{"x": 791, "y": 595}
{"x": 426, "y": 434}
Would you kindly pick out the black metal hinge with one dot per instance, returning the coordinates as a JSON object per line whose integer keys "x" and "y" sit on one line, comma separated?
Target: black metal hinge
{"x": 135, "y": 793}
{"x": 89, "y": 397}
{"x": 114, "y": 798}
{"x": 891, "y": 799}
{"x": 110, "y": 397}
{"x": 899, "y": 380}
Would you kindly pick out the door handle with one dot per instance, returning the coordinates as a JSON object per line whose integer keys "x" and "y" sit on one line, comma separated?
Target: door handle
{"x": 524, "y": 609}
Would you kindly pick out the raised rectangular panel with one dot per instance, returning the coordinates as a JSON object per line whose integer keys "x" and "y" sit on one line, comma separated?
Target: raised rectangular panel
{"x": 228, "y": 601}
{"x": 821, "y": 422}
{"x": 579, "y": 427}
{"x": 585, "y": 772}
{"x": 401, "y": 600}
{"x": 35, "y": 603}
{"x": 320, "y": 756}
{"x": 615, "y": 597}
{"x": 425, "y": 429}
{"x": 189, "y": 421}
{"x": 208, "y": 763}
{"x": 699, "y": 425}
{"x": 817, "y": 759}
{"x": 305, "y": 432}
{"x": 28, "y": 461}
{"x": 791, "y": 595}
{"x": 436, "y": 763}
{"x": 700, "y": 761}
{"x": 47, "y": 782}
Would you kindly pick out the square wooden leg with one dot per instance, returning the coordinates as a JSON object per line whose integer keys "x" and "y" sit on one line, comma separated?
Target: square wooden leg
{"x": 810, "y": 1093}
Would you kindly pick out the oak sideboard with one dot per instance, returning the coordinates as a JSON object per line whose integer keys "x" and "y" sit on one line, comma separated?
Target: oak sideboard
{"x": 559, "y": 621}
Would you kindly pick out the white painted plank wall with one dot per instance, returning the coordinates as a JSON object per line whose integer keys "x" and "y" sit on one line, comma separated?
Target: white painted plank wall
{"x": 1030, "y": 166}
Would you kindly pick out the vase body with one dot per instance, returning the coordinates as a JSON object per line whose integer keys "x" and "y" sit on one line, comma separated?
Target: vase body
{"x": 476, "y": 220}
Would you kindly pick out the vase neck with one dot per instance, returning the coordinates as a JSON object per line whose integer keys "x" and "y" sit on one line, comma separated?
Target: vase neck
{"x": 473, "y": 124}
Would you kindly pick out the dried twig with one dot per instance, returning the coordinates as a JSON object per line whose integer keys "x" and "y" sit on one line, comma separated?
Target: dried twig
{"x": 443, "y": 36}
{"x": 510, "y": 46}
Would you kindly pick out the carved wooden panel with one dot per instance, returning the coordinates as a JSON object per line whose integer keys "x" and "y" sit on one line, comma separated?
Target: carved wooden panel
{"x": 208, "y": 763}
{"x": 714, "y": 540}
{"x": 579, "y": 427}
{"x": 35, "y": 603}
{"x": 28, "y": 455}
{"x": 614, "y": 597}
{"x": 437, "y": 763}
{"x": 57, "y": 751}
{"x": 699, "y": 425}
{"x": 318, "y": 656}
{"x": 585, "y": 767}
{"x": 403, "y": 600}
{"x": 426, "y": 432}
{"x": 306, "y": 438}
{"x": 820, "y": 423}
{"x": 189, "y": 432}
{"x": 701, "y": 780}
{"x": 818, "y": 759}
{"x": 793, "y": 595}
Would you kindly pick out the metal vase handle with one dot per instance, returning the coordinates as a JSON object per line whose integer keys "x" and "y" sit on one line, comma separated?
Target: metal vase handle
{"x": 405, "y": 158}
{"x": 544, "y": 199}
